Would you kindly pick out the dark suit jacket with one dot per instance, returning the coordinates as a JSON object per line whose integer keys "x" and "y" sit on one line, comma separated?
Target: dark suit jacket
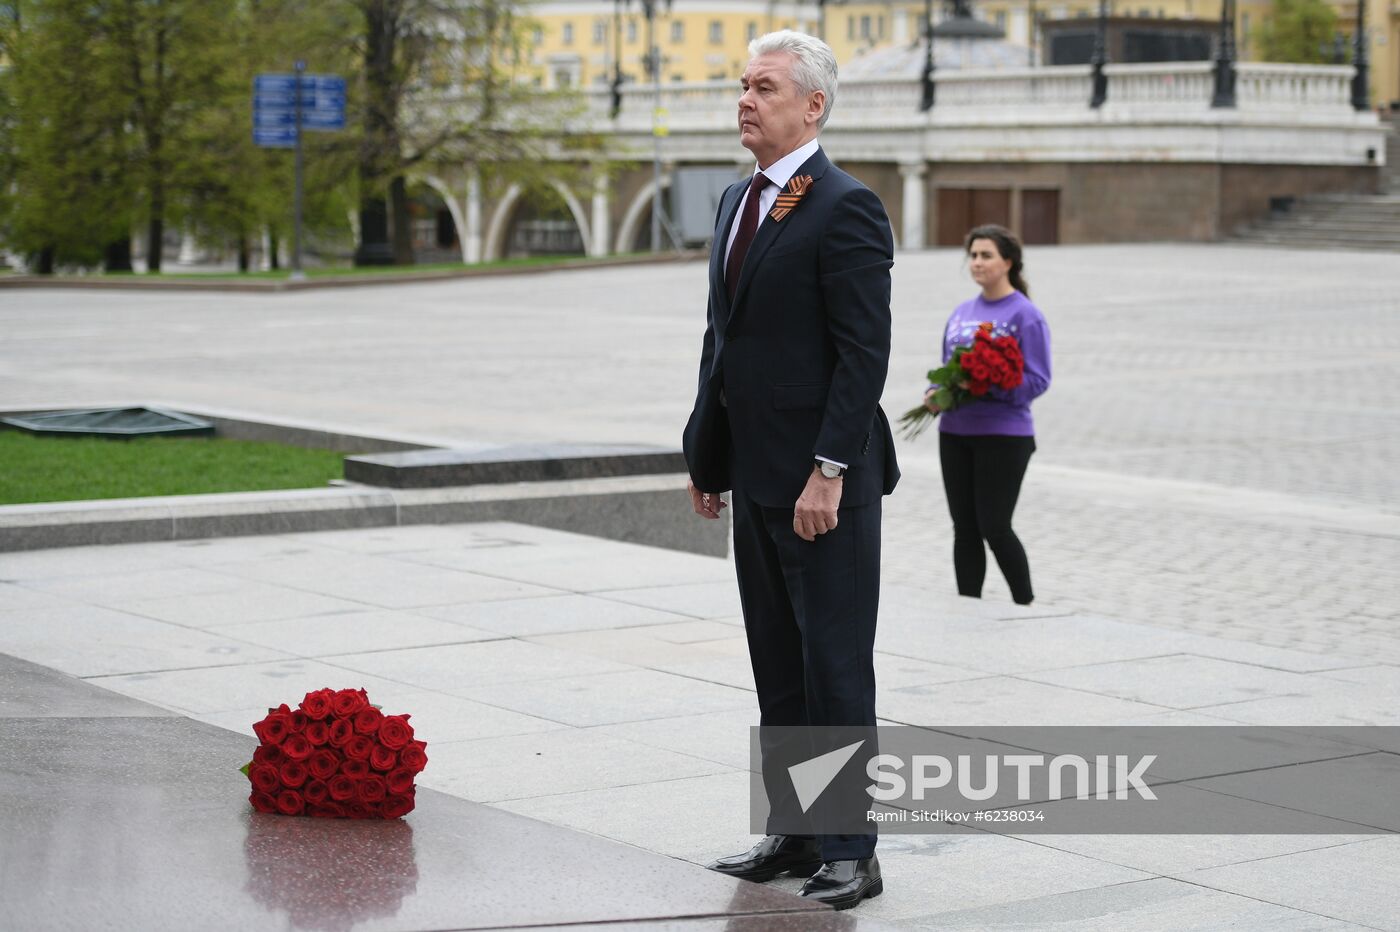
{"x": 801, "y": 354}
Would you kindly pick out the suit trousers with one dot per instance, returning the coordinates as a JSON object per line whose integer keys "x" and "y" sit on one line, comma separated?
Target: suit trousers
{"x": 809, "y": 613}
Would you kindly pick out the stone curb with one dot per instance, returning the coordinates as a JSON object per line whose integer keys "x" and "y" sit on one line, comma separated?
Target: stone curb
{"x": 273, "y": 286}
{"x": 650, "y": 510}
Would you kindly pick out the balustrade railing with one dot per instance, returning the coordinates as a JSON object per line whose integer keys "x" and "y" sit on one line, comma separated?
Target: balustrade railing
{"x": 1035, "y": 94}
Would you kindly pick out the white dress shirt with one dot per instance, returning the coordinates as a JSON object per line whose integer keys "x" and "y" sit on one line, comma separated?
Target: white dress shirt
{"x": 780, "y": 172}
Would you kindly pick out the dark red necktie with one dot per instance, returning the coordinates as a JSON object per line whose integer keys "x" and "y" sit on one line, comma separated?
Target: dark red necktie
{"x": 748, "y": 226}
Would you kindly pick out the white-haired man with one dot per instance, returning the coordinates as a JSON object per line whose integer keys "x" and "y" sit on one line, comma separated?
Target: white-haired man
{"x": 787, "y": 416}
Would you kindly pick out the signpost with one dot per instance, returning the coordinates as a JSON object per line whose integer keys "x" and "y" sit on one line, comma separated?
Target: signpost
{"x": 284, "y": 105}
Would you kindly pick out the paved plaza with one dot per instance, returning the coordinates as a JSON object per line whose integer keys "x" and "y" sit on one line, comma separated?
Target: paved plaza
{"x": 1212, "y": 519}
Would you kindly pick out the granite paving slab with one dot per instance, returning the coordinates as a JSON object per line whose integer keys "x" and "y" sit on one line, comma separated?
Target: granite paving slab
{"x": 29, "y": 690}
{"x": 354, "y": 632}
{"x": 1179, "y": 681}
{"x": 1352, "y": 882}
{"x": 1144, "y": 905}
{"x": 455, "y": 667}
{"x": 551, "y": 614}
{"x": 85, "y": 640}
{"x": 139, "y": 822}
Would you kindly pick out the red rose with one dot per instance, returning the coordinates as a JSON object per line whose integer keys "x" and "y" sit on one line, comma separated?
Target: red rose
{"x": 381, "y": 758}
{"x": 289, "y": 802}
{"x": 978, "y": 389}
{"x": 327, "y": 811}
{"x": 358, "y": 747}
{"x": 268, "y": 754}
{"x": 371, "y": 789}
{"x": 318, "y": 733}
{"x": 356, "y": 811}
{"x": 297, "y": 747}
{"x": 347, "y": 702}
{"x": 316, "y": 793}
{"x": 299, "y": 720}
{"x": 341, "y": 787}
{"x": 317, "y": 705}
{"x": 274, "y": 728}
{"x": 323, "y": 764}
{"x": 355, "y": 769}
{"x": 263, "y": 802}
{"x": 395, "y": 731}
{"x": 399, "y": 781}
{"x": 265, "y": 778}
{"x": 414, "y": 756}
{"x": 396, "y": 806}
{"x": 367, "y": 720}
{"x": 342, "y": 730}
{"x": 293, "y": 773}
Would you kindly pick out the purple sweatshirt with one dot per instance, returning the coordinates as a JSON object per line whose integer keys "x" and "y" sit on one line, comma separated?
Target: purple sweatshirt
{"x": 1000, "y": 411}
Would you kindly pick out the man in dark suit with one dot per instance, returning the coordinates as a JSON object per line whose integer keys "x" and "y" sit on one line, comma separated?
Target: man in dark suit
{"x": 793, "y": 363}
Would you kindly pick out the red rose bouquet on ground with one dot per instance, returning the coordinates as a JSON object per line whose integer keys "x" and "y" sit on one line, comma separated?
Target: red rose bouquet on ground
{"x": 988, "y": 361}
{"x": 335, "y": 756}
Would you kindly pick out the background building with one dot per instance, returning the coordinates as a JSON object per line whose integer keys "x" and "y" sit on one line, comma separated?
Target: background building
{"x": 575, "y": 41}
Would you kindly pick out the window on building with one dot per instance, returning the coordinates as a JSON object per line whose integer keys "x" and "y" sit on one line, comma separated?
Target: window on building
{"x": 632, "y": 30}
{"x": 563, "y": 77}
{"x": 751, "y": 32}
{"x": 1145, "y": 13}
{"x": 677, "y": 78}
{"x": 1001, "y": 20}
{"x": 537, "y": 37}
{"x": 880, "y": 26}
{"x": 678, "y": 31}
{"x": 600, "y": 32}
{"x": 1081, "y": 14}
{"x": 716, "y": 32}
{"x": 850, "y": 27}
{"x": 865, "y": 25}
{"x": 567, "y": 34}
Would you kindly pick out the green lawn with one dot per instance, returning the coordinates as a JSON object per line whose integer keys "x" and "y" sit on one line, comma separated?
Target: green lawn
{"x": 60, "y": 469}
{"x": 405, "y": 271}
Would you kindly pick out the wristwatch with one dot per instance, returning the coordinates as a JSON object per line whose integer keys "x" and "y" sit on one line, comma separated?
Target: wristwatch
{"x": 831, "y": 470}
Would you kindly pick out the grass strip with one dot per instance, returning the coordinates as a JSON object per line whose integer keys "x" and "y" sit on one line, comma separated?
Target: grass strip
{"x": 64, "y": 469}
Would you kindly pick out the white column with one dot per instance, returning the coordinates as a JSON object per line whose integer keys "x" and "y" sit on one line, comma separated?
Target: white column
{"x": 602, "y": 206}
{"x": 913, "y": 208}
{"x": 901, "y": 26}
{"x": 265, "y": 253}
{"x": 187, "y": 247}
{"x": 471, "y": 236}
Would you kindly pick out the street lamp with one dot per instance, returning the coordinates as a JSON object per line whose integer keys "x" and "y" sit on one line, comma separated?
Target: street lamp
{"x": 1360, "y": 83}
{"x": 926, "y": 102}
{"x": 652, "y": 60}
{"x": 1225, "y": 58}
{"x": 1099, "y": 57}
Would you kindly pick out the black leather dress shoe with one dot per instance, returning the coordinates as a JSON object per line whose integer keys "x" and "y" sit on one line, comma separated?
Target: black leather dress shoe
{"x": 770, "y": 857}
{"x": 843, "y": 884}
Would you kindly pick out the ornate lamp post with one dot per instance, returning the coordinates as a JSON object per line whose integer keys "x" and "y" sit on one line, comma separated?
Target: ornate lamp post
{"x": 1360, "y": 82}
{"x": 1224, "y": 95}
{"x": 1099, "y": 57}
{"x": 652, "y": 62}
{"x": 926, "y": 102}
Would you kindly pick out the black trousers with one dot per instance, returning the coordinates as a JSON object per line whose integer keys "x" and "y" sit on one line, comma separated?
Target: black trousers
{"x": 982, "y": 479}
{"x": 809, "y": 612}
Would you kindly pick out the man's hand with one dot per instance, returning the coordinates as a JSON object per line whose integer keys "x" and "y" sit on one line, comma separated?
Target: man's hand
{"x": 816, "y": 507}
{"x": 706, "y": 504}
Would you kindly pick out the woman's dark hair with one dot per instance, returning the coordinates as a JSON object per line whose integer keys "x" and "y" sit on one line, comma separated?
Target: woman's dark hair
{"x": 1008, "y": 245}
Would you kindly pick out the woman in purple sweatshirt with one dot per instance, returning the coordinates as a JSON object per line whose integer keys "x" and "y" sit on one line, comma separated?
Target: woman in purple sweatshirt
{"x": 985, "y": 445}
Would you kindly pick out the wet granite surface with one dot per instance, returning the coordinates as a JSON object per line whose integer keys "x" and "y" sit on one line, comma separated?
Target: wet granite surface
{"x": 421, "y": 469}
{"x": 116, "y": 815}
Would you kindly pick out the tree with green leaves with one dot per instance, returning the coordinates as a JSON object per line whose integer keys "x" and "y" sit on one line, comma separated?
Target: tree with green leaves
{"x": 1298, "y": 31}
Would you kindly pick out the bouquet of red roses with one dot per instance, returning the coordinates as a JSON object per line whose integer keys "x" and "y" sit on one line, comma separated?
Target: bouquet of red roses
{"x": 335, "y": 756}
{"x": 967, "y": 375}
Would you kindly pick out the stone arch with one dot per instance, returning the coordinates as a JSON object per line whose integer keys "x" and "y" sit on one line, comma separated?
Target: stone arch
{"x": 632, "y": 218}
{"x": 444, "y": 190}
{"x": 505, "y": 211}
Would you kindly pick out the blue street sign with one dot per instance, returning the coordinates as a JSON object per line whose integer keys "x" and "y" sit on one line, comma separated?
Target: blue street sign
{"x": 275, "y": 137}
{"x": 275, "y": 105}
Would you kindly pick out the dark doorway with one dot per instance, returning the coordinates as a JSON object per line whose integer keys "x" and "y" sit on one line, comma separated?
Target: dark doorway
{"x": 1040, "y": 216}
{"x": 961, "y": 209}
